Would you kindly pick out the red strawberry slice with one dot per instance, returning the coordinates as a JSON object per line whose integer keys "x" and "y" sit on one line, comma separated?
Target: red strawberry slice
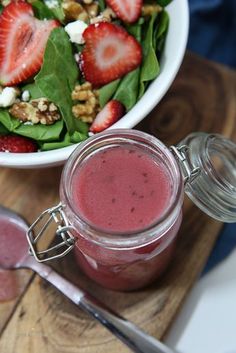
{"x": 23, "y": 40}
{"x": 17, "y": 144}
{"x": 109, "y": 53}
{"x": 126, "y": 10}
{"x": 112, "y": 112}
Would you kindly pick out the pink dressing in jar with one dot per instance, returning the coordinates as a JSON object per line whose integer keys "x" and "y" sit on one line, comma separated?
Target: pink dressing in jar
{"x": 122, "y": 199}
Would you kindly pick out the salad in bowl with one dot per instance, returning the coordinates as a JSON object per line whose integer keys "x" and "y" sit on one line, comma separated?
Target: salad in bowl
{"x": 71, "y": 68}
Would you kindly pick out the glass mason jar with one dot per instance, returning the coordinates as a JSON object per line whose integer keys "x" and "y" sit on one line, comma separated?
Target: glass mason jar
{"x": 126, "y": 251}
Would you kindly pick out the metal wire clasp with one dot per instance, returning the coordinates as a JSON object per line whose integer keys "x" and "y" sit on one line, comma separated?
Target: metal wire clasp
{"x": 64, "y": 239}
{"x": 189, "y": 172}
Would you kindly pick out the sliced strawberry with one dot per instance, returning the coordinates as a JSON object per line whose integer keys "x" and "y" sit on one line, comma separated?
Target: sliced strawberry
{"x": 112, "y": 112}
{"x": 23, "y": 40}
{"x": 17, "y": 144}
{"x": 126, "y": 10}
{"x": 109, "y": 53}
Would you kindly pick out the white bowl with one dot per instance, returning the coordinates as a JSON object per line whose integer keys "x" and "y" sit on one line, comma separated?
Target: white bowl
{"x": 171, "y": 60}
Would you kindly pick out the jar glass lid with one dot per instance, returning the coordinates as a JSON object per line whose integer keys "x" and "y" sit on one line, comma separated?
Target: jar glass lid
{"x": 210, "y": 175}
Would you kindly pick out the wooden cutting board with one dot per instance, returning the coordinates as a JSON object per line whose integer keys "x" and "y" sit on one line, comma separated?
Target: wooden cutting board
{"x": 40, "y": 319}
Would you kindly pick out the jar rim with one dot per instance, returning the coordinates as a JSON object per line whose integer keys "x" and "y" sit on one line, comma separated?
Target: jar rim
{"x": 123, "y": 238}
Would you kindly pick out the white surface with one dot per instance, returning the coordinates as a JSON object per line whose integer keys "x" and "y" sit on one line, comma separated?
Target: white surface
{"x": 171, "y": 60}
{"x": 207, "y": 322}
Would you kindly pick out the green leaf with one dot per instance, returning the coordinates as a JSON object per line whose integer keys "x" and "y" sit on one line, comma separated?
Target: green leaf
{"x": 79, "y": 47}
{"x": 128, "y": 89}
{"x": 34, "y": 91}
{"x": 107, "y": 91}
{"x": 102, "y": 5}
{"x": 162, "y": 25}
{"x": 42, "y": 11}
{"x": 58, "y": 13}
{"x": 3, "y": 130}
{"x": 41, "y": 132}
{"x": 67, "y": 141}
{"x": 161, "y": 32}
{"x": 150, "y": 67}
{"x": 135, "y": 29}
{"x": 82, "y": 127}
{"x": 78, "y": 137}
{"x": 58, "y": 75}
{"x": 55, "y": 145}
{"x": 164, "y": 3}
{"x": 8, "y": 121}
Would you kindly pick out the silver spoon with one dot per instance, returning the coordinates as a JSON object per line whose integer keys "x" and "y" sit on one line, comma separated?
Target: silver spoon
{"x": 136, "y": 339}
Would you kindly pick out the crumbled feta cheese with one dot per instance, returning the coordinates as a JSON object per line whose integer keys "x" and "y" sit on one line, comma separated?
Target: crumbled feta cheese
{"x": 25, "y": 96}
{"x": 75, "y": 31}
{"x": 28, "y": 123}
{"x": 8, "y": 96}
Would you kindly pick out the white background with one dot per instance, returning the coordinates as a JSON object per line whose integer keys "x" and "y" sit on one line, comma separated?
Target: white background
{"x": 207, "y": 321}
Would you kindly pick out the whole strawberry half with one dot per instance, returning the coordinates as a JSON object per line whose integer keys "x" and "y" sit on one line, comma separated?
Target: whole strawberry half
{"x": 112, "y": 112}
{"x": 109, "y": 53}
{"x": 17, "y": 144}
{"x": 23, "y": 40}
{"x": 127, "y": 10}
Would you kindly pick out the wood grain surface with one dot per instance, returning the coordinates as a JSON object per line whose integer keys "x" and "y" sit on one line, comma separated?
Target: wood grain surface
{"x": 202, "y": 98}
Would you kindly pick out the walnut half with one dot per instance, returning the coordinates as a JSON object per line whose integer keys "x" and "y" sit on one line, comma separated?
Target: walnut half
{"x": 86, "y": 104}
{"x": 36, "y": 111}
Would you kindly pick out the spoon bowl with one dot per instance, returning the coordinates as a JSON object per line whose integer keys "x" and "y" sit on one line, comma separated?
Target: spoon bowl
{"x": 13, "y": 243}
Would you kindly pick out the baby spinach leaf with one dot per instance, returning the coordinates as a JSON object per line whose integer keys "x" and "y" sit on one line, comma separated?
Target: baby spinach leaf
{"x": 58, "y": 75}
{"x": 46, "y": 146}
{"x": 8, "y": 121}
{"x": 161, "y": 32}
{"x": 59, "y": 13}
{"x": 81, "y": 127}
{"x": 34, "y": 91}
{"x": 3, "y": 130}
{"x": 163, "y": 3}
{"x": 162, "y": 26}
{"x": 41, "y": 132}
{"x": 42, "y": 11}
{"x": 128, "y": 89}
{"x": 107, "y": 91}
{"x": 79, "y": 47}
{"x": 67, "y": 141}
{"x": 135, "y": 29}
{"x": 102, "y": 5}
{"x": 78, "y": 137}
{"x": 150, "y": 67}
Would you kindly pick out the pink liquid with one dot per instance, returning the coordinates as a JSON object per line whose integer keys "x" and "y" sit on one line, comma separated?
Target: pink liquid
{"x": 13, "y": 247}
{"x": 123, "y": 189}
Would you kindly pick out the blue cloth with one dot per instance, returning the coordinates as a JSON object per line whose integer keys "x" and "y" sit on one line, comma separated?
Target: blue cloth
{"x": 213, "y": 30}
{"x": 223, "y": 247}
{"x": 213, "y": 35}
